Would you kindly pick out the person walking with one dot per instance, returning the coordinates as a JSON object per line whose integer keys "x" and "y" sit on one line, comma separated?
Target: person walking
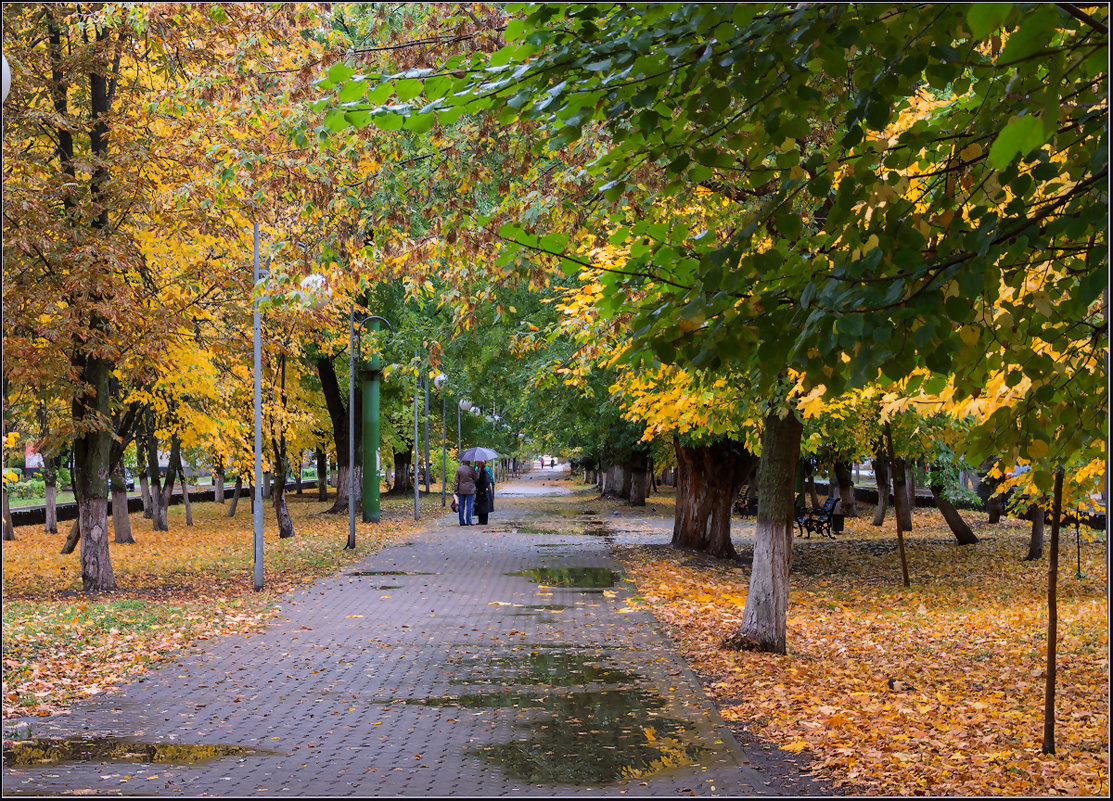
{"x": 484, "y": 492}
{"x": 464, "y": 489}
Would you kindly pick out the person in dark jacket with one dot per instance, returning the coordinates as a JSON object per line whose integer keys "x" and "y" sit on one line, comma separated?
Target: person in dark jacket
{"x": 464, "y": 488}
{"x": 484, "y": 492}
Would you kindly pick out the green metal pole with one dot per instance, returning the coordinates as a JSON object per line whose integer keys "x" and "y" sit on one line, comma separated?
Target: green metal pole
{"x": 371, "y": 438}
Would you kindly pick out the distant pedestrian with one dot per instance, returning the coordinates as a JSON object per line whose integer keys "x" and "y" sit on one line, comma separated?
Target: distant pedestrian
{"x": 484, "y": 492}
{"x": 464, "y": 488}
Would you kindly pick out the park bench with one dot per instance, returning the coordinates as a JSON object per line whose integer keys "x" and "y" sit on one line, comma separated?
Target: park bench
{"x": 818, "y": 520}
{"x": 745, "y": 505}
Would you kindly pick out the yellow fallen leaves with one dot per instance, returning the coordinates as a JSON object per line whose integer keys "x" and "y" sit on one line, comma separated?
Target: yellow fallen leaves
{"x": 969, "y": 637}
{"x": 193, "y": 582}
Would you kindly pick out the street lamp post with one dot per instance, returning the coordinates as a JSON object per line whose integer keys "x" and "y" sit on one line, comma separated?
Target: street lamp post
{"x": 439, "y": 382}
{"x": 417, "y": 450}
{"x": 428, "y": 469}
{"x": 257, "y": 506}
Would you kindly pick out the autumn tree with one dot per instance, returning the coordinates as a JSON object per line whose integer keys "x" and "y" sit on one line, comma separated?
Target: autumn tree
{"x": 852, "y": 230}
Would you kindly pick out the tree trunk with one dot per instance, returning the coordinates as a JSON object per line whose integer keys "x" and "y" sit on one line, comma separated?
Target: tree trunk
{"x": 1035, "y": 542}
{"x": 764, "y": 618}
{"x": 72, "y": 538}
{"x": 343, "y": 484}
{"x": 141, "y": 469}
{"x": 237, "y": 488}
{"x": 881, "y": 475}
{"x": 268, "y": 483}
{"x": 848, "y": 503}
{"x": 96, "y": 567}
{"x": 167, "y": 491}
{"x": 619, "y": 481}
{"x": 899, "y": 476}
{"x": 322, "y": 475}
{"x": 910, "y": 487}
{"x": 185, "y": 500}
{"x": 50, "y": 479}
{"x": 812, "y": 494}
{"x": 121, "y": 522}
{"x": 708, "y": 480}
{"x": 91, "y": 461}
{"x": 338, "y": 414}
{"x": 218, "y": 484}
{"x": 402, "y": 484}
{"x": 639, "y": 487}
{"x": 958, "y": 526}
{"x": 996, "y": 508}
{"x": 9, "y": 529}
{"x": 282, "y": 514}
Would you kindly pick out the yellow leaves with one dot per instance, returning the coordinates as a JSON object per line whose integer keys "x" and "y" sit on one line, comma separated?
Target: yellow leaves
{"x": 970, "y": 640}
{"x": 969, "y": 334}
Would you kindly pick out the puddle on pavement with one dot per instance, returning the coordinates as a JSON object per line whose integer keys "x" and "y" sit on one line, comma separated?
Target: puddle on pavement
{"x": 582, "y": 721}
{"x": 598, "y": 532}
{"x": 575, "y": 577}
{"x": 542, "y": 611}
{"x": 51, "y": 751}
{"x": 387, "y": 587}
{"x": 389, "y": 573}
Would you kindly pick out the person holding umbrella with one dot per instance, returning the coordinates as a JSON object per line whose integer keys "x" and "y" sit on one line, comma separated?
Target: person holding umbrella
{"x": 464, "y": 491}
{"x": 480, "y": 456}
{"x": 484, "y": 492}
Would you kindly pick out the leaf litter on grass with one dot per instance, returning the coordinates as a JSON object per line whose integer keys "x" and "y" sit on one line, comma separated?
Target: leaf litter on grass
{"x": 191, "y": 583}
{"x": 968, "y": 641}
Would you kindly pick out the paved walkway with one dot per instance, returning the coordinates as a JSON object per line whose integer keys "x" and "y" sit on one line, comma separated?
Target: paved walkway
{"x": 481, "y": 661}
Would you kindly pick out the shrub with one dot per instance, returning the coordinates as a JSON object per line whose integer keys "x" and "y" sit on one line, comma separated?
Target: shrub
{"x": 33, "y": 488}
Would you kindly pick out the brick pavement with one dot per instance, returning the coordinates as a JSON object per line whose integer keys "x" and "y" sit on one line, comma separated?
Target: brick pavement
{"x": 429, "y": 670}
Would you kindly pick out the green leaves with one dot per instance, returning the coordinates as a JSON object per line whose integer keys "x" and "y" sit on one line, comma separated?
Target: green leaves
{"x": 1021, "y": 136}
{"x": 985, "y": 18}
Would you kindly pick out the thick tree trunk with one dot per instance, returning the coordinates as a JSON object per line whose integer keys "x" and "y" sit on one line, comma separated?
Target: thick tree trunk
{"x": 639, "y": 487}
{"x": 278, "y": 498}
{"x": 343, "y": 484}
{"x": 96, "y": 567}
{"x": 899, "y": 475}
{"x": 338, "y": 414}
{"x": 765, "y": 616}
{"x": 91, "y": 461}
{"x": 881, "y": 474}
{"x": 236, "y": 490}
{"x": 618, "y": 482}
{"x": 1035, "y": 542}
{"x": 708, "y": 480}
{"x": 402, "y": 484}
{"x": 848, "y": 504}
{"x": 996, "y": 508}
{"x": 121, "y": 522}
{"x": 218, "y": 484}
{"x": 322, "y": 475}
{"x": 958, "y": 526}
{"x": 268, "y": 483}
{"x": 50, "y": 479}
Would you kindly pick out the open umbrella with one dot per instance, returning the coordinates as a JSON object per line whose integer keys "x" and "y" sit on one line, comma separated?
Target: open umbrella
{"x": 478, "y": 455}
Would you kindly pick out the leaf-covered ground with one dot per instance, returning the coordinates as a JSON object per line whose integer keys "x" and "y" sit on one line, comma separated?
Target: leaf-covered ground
{"x": 176, "y": 587}
{"x": 969, "y": 638}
